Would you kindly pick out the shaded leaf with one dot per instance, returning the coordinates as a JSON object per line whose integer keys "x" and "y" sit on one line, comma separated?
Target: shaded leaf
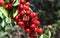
{"x": 2, "y": 9}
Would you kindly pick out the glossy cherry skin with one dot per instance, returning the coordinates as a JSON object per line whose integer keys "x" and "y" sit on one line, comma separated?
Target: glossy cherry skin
{"x": 27, "y": 4}
{"x": 25, "y": 19}
{"x": 37, "y": 22}
{"x": 27, "y": 30}
{"x": 40, "y": 30}
{"x": 35, "y": 18}
{"x": 26, "y": 8}
{"x": 6, "y": 7}
{"x": 22, "y": 13}
{"x": 2, "y": 2}
{"x": 33, "y": 26}
{"x": 20, "y": 23}
{"x": 28, "y": 12}
{"x": 22, "y": 1}
{"x": 33, "y": 15}
{"x": 11, "y": 1}
{"x": 21, "y": 6}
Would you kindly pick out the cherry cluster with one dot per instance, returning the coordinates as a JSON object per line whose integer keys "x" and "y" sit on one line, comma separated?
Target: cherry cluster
{"x": 27, "y": 19}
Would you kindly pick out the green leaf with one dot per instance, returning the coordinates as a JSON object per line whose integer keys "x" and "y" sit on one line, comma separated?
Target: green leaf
{"x": 49, "y": 34}
{"x": 1, "y": 15}
{"x": 15, "y": 13}
{"x": 43, "y": 36}
{"x": 16, "y": 2}
{"x": 58, "y": 22}
{"x": 2, "y": 10}
{"x": 8, "y": 20}
{"x": 3, "y": 23}
{"x": 7, "y": 1}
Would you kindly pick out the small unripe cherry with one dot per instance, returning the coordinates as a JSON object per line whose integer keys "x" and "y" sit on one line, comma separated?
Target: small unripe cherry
{"x": 22, "y": 1}
{"x": 27, "y": 4}
{"x": 33, "y": 26}
{"x": 27, "y": 30}
{"x": 28, "y": 12}
{"x": 40, "y": 30}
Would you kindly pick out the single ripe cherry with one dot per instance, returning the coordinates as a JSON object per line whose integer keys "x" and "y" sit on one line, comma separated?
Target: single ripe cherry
{"x": 35, "y": 18}
{"x": 22, "y": 13}
{"x": 20, "y": 23}
{"x": 33, "y": 26}
{"x": 6, "y": 7}
{"x": 2, "y": 2}
{"x": 36, "y": 22}
{"x": 22, "y": 1}
{"x": 28, "y": 12}
{"x": 40, "y": 30}
{"x": 33, "y": 15}
{"x": 25, "y": 19}
{"x": 21, "y": 6}
{"x": 17, "y": 17}
{"x": 27, "y": 4}
{"x": 11, "y": 1}
{"x": 35, "y": 29}
{"x": 19, "y": 20}
{"x": 26, "y": 7}
{"x": 10, "y": 6}
{"x": 27, "y": 30}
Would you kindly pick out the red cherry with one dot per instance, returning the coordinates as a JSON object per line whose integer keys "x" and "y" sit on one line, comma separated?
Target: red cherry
{"x": 17, "y": 17}
{"x": 20, "y": 23}
{"x": 2, "y": 2}
{"x": 27, "y": 30}
{"x": 10, "y": 6}
{"x": 21, "y": 6}
{"x": 28, "y": 12}
{"x": 35, "y": 29}
{"x": 19, "y": 20}
{"x": 33, "y": 26}
{"x": 33, "y": 15}
{"x": 25, "y": 19}
{"x": 26, "y": 7}
{"x": 22, "y": 1}
{"x": 40, "y": 30}
{"x": 35, "y": 18}
{"x": 28, "y": 4}
{"x": 11, "y": 1}
{"x": 37, "y": 22}
{"x": 22, "y": 13}
{"x": 6, "y": 7}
